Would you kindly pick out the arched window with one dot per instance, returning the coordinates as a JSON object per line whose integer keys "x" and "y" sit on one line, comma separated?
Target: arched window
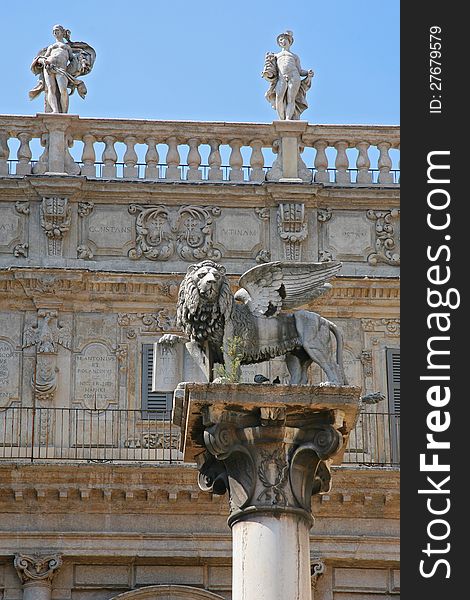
{"x": 168, "y": 592}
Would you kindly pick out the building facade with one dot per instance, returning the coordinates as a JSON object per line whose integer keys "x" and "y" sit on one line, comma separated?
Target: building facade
{"x": 99, "y": 219}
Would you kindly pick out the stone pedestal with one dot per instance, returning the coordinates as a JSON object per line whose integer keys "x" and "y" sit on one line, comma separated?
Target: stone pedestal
{"x": 270, "y": 448}
{"x": 289, "y": 166}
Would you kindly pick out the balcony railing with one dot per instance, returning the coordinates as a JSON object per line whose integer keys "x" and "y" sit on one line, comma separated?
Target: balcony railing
{"x": 122, "y": 436}
{"x": 192, "y": 151}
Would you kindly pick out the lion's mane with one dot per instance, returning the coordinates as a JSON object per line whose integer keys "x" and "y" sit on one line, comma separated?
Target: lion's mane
{"x": 202, "y": 320}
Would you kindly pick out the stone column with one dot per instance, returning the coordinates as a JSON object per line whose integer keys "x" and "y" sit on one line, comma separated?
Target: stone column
{"x": 269, "y": 447}
{"x": 36, "y": 574}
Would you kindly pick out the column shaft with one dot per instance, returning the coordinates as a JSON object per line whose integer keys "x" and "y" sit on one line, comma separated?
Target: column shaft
{"x": 271, "y": 558}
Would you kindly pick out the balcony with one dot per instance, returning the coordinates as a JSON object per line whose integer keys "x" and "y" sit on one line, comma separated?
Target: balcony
{"x": 188, "y": 151}
{"x": 77, "y": 435}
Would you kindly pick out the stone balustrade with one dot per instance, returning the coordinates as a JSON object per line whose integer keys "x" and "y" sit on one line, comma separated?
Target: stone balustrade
{"x": 195, "y": 151}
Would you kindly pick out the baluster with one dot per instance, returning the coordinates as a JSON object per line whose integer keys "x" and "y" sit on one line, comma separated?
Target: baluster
{"x": 398, "y": 174}
{"x": 130, "y": 158}
{"x": 363, "y": 163}
{"x": 4, "y": 154}
{"x": 88, "y": 156}
{"x": 384, "y": 164}
{"x": 321, "y": 162}
{"x": 173, "y": 160}
{"x": 41, "y": 166}
{"x": 70, "y": 166}
{"x": 109, "y": 158}
{"x": 236, "y": 161}
{"x": 256, "y": 161}
{"x": 215, "y": 162}
{"x": 342, "y": 163}
{"x": 24, "y": 155}
{"x": 151, "y": 159}
{"x": 194, "y": 160}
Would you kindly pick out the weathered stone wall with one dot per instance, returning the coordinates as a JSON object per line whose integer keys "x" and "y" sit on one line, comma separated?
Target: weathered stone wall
{"x": 89, "y": 272}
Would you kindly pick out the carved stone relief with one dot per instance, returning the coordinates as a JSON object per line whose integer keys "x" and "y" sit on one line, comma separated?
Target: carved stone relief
{"x": 47, "y": 334}
{"x": 163, "y": 233}
{"x": 55, "y": 218}
{"x": 37, "y": 568}
{"x": 292, "y": 229}
{"x": 389, "y": 326}
{"x": 13, "y": 228}
{"x": 366, "y": 360}
{"x": 387, "y": 235}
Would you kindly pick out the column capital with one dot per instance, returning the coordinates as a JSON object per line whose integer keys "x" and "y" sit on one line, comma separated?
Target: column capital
{"x": 35, "y": 569}
{"x": 270, "y": 446}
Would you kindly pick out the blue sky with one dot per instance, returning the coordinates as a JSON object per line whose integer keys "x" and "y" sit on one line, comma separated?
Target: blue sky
{"x": 202, "y": 60}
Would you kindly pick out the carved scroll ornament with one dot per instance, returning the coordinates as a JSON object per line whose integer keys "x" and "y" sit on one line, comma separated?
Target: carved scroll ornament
{"x": 162, "y": 233}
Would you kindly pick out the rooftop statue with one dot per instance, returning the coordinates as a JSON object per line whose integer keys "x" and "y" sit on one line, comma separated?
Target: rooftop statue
{"x": 58, "y": 67}
{"x": 211, "y": 316}
{"x": 287, "y": 91}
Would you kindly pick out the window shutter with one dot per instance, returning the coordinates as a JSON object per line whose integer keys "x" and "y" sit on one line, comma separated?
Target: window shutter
{"x": 152, "y": 401}
{"x": 393, "y": 377}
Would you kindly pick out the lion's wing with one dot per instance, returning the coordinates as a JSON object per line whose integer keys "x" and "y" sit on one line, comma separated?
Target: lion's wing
{"x": 273, "y": 286}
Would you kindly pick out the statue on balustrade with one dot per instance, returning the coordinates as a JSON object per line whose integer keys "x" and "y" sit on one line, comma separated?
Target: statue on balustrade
{"x": 58, "y": 67}
{"x": 211, "y": 317}
{"x": 287, "y": 92}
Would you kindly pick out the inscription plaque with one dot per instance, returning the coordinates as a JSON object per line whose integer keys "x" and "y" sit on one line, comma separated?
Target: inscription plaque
{"x": 349, "y": 236}
{"x": 110, "y": 231}
{"x": 96, "y": 376}
{"x": 9, "y": 374}
{"x": 239, "y": 232}
{"x": 10, "y": 228}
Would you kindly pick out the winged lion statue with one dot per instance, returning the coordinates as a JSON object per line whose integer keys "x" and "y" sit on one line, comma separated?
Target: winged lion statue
{"x": 211, "y": 316}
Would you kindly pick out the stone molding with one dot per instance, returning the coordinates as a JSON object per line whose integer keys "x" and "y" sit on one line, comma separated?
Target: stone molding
{"x": 53, "y": 283}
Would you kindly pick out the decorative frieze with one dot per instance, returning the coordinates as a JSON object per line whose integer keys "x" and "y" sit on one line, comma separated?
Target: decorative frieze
{"x": 163, "y": 232}
{"x": 390, "y": 326}
{"x": 386, "y": 237}
{"x": 55, "y": 219}
{"x": 154, "y": 441}
{"x": 292, "y": 229}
